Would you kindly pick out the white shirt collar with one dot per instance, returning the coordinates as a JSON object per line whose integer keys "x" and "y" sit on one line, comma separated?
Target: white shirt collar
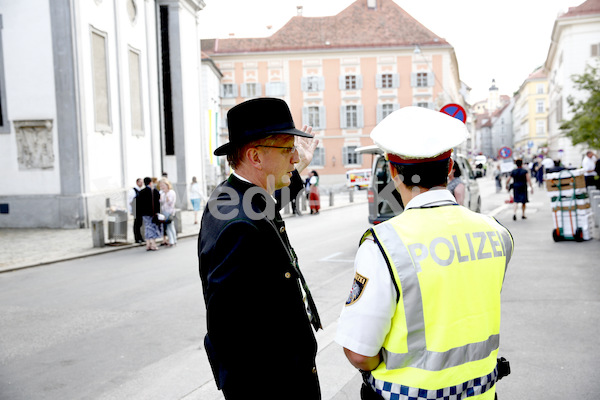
{"x": 241, "y": 178}
{"x": 431, "y": 198}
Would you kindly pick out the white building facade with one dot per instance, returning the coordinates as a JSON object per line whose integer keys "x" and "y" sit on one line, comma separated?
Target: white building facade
{"x": 95, "y": 94}
{"x": 575, "y": 44}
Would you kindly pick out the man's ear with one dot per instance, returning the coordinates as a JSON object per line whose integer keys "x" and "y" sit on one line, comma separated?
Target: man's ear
{"x": 450, "y": 165}
{"x": 254, "y": 157}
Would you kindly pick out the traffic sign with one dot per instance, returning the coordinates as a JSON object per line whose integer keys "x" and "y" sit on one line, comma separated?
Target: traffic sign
{"x": 456, "y": 111}
{"x": 505, "y": 152}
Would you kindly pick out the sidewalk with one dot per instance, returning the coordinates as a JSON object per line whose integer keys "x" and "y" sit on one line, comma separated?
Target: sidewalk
{"x": 26, "y": 248}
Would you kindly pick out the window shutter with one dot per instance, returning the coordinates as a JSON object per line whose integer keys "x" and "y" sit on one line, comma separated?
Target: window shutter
{"x": 430, "y": 79}
{"x": 321, "y": 81}
{"x": 244, "y": 90}
{"x": 222, "y": 91}
{"x": 396, "y": 106}
{"x": 322, "y": 156}
{"x": 379, "y": 113}
{"x": 594, "y": 50}
{"x": 430, "y": 105}
{"x": 395, "y": 81}
{"x": 269, "y": 89}
{"x": 304, "y": 83}
{"x": 358, "y": 82}
{"x": 413, "y": 79}
{"x": 305, "y": 116}
{"x": 235, "y": 90}
{"x": 342, "y": 82}
{"x": 343, "y": 117}
{"x": 378, "y": 83}
{"x": 322, "y": 121}
{"x": 258, "y": 89}
{"x": 345, "y": 155}
{"x": 360, "y": 118}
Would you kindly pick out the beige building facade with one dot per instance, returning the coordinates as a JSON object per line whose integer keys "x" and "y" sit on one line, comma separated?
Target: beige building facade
{"x": 340, "y": 84}
{"x": 530, "y": 116}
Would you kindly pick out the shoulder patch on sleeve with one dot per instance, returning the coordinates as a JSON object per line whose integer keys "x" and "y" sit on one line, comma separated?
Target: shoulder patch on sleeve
{"x": 357, "y": 288}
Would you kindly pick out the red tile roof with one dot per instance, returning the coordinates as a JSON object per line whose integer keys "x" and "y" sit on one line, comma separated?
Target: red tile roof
{"x": 355, "y": 27}
{"x": 586, "y": 8}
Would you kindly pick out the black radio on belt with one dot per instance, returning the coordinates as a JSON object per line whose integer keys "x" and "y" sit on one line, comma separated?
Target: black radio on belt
{"x": 503, "y": 367}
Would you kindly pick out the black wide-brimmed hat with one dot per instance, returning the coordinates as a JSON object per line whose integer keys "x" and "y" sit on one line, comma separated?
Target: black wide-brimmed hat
{"x": 256, "y": 119}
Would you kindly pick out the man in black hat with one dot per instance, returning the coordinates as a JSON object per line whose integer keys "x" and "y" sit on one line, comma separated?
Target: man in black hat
{"x": 259, "y": 309}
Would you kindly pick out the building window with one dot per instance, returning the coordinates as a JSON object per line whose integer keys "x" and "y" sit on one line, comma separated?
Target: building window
{"x": 350, "y": 156}
{"x": 229, "y": 90}
{"x": 351, "y": 116}
{"x": 423, "y": 104}
{"x": 275, "y": 89}
{"x": 251, "y": 90}
{"x": 595, "y": 50}
{"x": 540, "y": 126}
{"x": 559, "y": 110}
{"x": 4, "y": 125}
{"x": 387, "y": 81}
{"x": 100, "y": 82}
{"x": 313, "y": 84}
{"x": 383, "y": 110}
{"x": 422, "y": 79}
{"x": 318, "y": 159}
{"x": 540, "y": 88}
{"x": 135, "y": 93}
{"x": 314, "y": 116}
{"x": 167, "y": 98}
{"x": 350, "y": 82}
{"x": 539, "y": 107}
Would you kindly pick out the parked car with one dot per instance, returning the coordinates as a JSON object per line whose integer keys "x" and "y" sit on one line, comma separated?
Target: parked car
{"x": 358, "y": 178}
{"x": 479, "y": 164}
{"x": 384, "y": 201}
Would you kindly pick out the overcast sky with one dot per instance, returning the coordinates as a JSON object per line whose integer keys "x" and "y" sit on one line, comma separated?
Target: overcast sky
{"x": 504, "y": 40}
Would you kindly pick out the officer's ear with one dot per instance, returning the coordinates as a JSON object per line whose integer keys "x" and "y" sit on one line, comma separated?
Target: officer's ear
{"x": 450, "y": 165}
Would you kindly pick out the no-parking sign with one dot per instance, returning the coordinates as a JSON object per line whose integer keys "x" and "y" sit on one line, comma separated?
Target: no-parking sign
{"x": 455, "y": 111}
{"x": 505, "y": 152}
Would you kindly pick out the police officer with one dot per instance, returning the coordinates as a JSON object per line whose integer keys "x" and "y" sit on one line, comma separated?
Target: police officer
{"x": 423, "y": 315}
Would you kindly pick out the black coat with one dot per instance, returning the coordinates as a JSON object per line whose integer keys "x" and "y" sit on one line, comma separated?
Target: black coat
{"x": 143, "y": 202}
{"x": 259, "y": 339}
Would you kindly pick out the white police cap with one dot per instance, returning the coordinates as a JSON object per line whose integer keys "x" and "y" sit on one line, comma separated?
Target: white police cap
{"x": 416, "y": 134}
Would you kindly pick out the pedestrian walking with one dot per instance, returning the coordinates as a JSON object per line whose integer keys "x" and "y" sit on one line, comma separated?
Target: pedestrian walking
{"x": 257, "y": 301}
{"x": 168, "y": 197}
{"x": 314, "y": 197}
{"x": 196, "y": 197}
{"x": 520, "y": 180}
{"x": 498, "y": 178}
{"x": 589, "y": 168}
{"x": 148, "y": 208}
{"x": 131, "y": 204}
{"x": 423, "y": 317}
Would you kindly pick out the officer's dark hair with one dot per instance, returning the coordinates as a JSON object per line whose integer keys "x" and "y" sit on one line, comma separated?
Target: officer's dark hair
{"x": 426, "y": 175}
{"x": 147, "y": 181}
{"x": 456, "y": 169}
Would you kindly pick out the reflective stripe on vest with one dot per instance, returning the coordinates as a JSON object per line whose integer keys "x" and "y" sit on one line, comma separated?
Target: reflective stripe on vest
{"x": 418, "y": 356}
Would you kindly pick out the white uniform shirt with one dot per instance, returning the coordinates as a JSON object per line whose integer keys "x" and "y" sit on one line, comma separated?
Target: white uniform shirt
{"x": 366, "y": 321}
{"x": 589, "y": 165}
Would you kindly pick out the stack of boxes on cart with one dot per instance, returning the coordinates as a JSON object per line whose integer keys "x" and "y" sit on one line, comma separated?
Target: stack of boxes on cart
{"x": 571, "y": 212}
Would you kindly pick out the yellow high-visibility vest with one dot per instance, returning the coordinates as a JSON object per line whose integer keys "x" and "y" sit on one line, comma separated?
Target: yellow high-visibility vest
{"x": 448, "y": 264}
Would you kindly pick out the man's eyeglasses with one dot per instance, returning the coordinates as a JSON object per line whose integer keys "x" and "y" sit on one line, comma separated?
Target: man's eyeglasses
{"x": 288, "y": 150}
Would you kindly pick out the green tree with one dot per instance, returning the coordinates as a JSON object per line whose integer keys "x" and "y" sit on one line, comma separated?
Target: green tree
{"x": 584, "y": 126}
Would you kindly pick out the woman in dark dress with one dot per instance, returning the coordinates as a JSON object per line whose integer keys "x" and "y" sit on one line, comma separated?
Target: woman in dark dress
{"x": 520, "y": 179}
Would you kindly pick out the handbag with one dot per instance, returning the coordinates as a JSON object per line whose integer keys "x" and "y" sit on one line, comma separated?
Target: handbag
{"x": 169, "y": 219}
{"x": 158, "y": 218}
